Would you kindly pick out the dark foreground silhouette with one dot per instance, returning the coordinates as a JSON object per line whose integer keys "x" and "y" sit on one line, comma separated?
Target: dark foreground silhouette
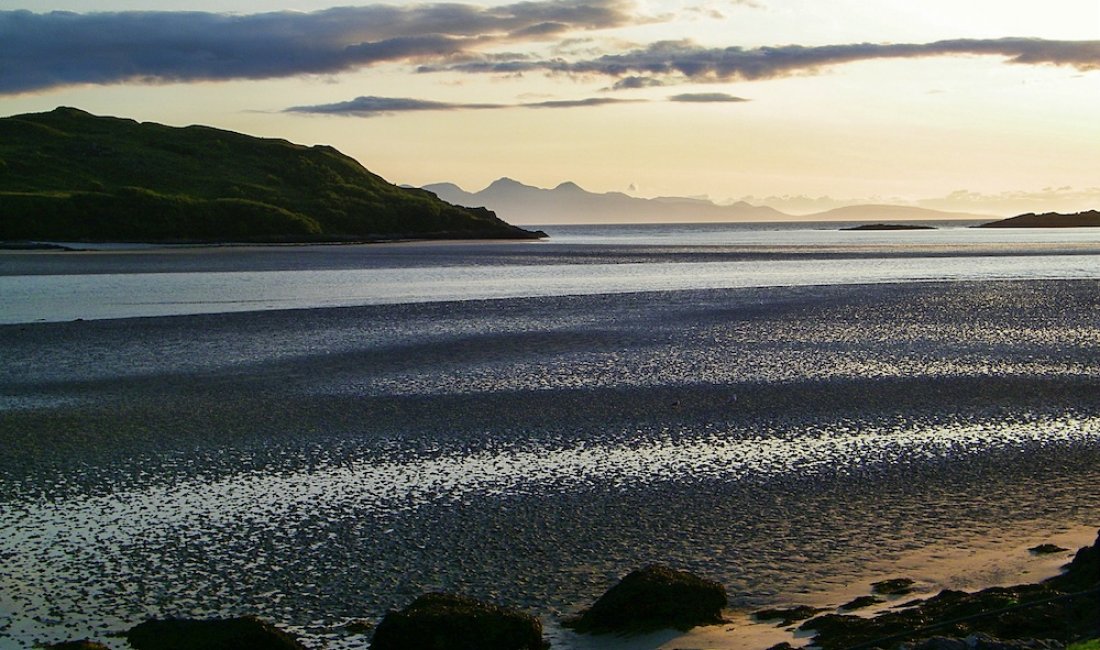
{"x": 67, "y": 175}
{"x": 1091, "y": 218}
{"x": 1043, "y": 616}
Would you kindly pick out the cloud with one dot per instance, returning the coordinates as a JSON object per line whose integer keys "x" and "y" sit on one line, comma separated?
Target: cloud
{"x": 706, "y": 98}
{"x": 629, "y": 83}
{"x": 1048, "y": 199}
{"x": 577, "y": 103}
{"x": 375, "y": 106}
{"x": 47, "y": 50}
{"x": 686, "y": 60}
{"x": 371, "y": 106}
{"x": 717, "y": 10}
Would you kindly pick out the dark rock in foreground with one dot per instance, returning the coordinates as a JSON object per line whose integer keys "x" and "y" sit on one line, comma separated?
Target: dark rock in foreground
{"x": 1083, "y": 572}
{"x": 1090, "y": 218}
{"x": 653, "y": 598}
{"x": 1046, "y": 549}
{"x": 244, "y": 633}
{"x": 1063, "y": 608}
{"x": 441, "y": 621}
{"x": 83, "y": 644}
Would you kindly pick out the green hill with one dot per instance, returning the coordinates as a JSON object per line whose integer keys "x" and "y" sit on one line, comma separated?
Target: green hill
{"x": 67, "y": 175}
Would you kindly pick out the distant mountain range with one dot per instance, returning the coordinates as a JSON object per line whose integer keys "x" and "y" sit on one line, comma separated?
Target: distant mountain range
{"x": 569, "y": 204}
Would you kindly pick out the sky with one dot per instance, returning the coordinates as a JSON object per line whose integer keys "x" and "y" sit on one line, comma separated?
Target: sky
{"x": 975, "y": 105}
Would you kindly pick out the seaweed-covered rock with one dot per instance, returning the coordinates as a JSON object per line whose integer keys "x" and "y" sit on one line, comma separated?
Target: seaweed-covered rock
{"x": 243, "y": 633}
{"x": 787, "y": 616}
{"x": 652, "y": 598}
{"x": 860, "y": 603}
{"x": 893, "y": 587}
{"x": 991, "y": 611}
{"x": 440, "y": 621}
{"x": 82, "y": 644}
{"x": 1029, "y": 616}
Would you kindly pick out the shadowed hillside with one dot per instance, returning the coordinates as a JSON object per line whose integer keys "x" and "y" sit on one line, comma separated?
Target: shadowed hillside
{"x": 68, "y": 175}
{"x": 1090, "y": 218}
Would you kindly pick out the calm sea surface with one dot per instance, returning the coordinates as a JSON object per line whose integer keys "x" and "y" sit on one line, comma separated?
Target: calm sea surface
{"x": 128, "y": 281}
{"x": 849, "y": 400}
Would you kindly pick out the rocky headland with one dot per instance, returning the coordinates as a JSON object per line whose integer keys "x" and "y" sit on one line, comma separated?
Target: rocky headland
{"x": 1089, "y": 218}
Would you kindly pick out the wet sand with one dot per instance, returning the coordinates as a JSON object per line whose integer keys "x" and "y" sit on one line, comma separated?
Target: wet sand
{"x": 318, "y": 466}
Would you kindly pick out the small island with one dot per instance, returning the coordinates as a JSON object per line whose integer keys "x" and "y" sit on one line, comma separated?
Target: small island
{"x": 67, "y": 175}
{"x": 888, "y": 226}
{"x": 1087, "y": 219}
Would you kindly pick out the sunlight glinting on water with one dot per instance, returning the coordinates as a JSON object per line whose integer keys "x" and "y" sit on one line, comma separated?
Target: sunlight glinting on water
{"x": 67, "y": 297}
{"x": 384, "y": 487}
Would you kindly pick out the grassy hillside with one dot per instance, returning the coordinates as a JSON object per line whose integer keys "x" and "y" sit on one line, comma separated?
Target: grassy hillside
{"x": 68, "y": 175}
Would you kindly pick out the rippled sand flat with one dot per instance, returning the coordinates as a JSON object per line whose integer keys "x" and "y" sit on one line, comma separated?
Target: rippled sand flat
{"x": 316, "y": 466}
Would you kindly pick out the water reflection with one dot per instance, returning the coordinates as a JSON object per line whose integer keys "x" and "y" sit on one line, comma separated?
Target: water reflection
{"x": 69, "y": 297}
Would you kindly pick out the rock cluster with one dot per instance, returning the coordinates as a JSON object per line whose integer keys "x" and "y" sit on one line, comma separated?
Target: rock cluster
{"x": 658, "y": 597}
{"x": 1041, "y": 616}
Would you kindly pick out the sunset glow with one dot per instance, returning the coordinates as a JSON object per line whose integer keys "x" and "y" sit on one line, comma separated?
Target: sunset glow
{"x": 979, "y": 106}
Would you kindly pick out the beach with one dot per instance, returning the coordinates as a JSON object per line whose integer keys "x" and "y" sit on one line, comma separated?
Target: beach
{"x": 318, "y": 466}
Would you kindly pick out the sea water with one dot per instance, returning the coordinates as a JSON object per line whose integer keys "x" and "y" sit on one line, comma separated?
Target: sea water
{"x": 576, "y": 260}
{"x": 316, "y": 466}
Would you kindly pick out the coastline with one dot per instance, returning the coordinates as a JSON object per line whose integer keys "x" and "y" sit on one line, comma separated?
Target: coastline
{"x": 530, "y": 451}
{"x": 78, "y": 246}
{"x": 987, "y": 562}
{"x": 1000, "y": 562}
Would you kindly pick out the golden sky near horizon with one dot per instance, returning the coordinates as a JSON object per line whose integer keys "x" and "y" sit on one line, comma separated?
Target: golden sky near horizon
{"x": 977, "y": 105}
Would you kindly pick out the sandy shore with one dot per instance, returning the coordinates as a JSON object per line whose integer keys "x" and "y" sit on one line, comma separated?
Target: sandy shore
{"x": 1002, "y": 560}
{"x": 319, "y": 466}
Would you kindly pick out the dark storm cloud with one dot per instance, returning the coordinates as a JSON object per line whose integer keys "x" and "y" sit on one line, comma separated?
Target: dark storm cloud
{"x": 687, "y": 60}
{"x": 47, "y": 50}
{"x": 703, "y": 98}
{"x": 374, "y": 106}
